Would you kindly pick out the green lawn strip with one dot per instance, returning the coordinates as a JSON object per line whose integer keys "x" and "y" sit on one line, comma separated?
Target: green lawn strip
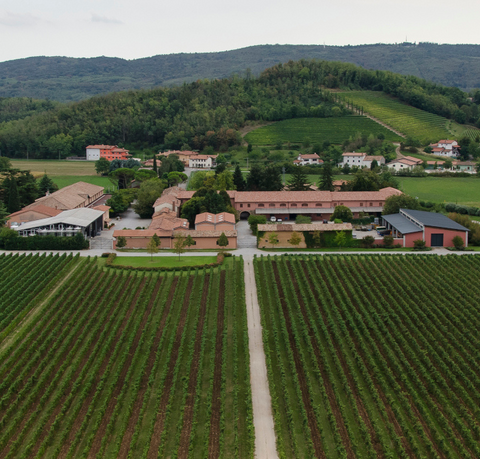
{"x": 169, "y": 262}
{"x": 144, "y": 429}
{"x": 203, "y": 397}
{"x": 125, "y": 402}
{"x": 334, "y": 130}
{"x": 172, "y": 251}
{"x": 340, "y": 249}
{"x": 114, "y": 375}
{"x": 292, "y": 433}
{"x": 54, "y": 167}
{"x": 460, "y": 190}
{"x": 343, "y": 393}
{"x": 174, "y": 419}
{"x": 244, "y": 429}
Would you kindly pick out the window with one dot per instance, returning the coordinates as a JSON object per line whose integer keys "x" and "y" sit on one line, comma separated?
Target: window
{"x": 283, "y": 205}
{"x": 241, "y": 205}
{"x": 304, "y": 204}
{"x": 293, "y": 205}
{"x": 248, "y": 205}
{"x": 271, "y": 205}
{"x": 371, "y": 204}
{"x": 341, "y": 203}
{"x": 361, "y": 204}
{"x": 318, "y": 204}
{"x": 261, "y": 205}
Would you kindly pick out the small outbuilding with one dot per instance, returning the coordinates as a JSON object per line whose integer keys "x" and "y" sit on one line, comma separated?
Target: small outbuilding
{"x": 435, "y": 229}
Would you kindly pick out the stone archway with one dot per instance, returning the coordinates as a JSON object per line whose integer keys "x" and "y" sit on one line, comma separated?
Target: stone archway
{"x": 244, "y": 215}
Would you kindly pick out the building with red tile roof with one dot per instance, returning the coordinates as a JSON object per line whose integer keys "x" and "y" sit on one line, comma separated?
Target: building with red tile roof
{"x": 109, "y": 152}
{"x": 308, "y": 160}
{"x": 448, "y": 148}
{"x": 207, "y": 221}
{"x": 360, "y": 160}
{"x": 35, "y": 211}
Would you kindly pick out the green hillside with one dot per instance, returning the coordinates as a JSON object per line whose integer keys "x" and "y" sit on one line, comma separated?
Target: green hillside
{"x": 70, "y": 79}
{"x": 406, "y": 119}
{"x": 333, "y": 130}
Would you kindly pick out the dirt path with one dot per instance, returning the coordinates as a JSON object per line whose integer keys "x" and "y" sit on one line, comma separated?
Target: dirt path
{"x": 262, "y": 406}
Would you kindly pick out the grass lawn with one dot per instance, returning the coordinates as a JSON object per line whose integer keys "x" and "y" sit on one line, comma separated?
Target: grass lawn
{"x": 461, "y": 190}
{"x": 340, "y": 249}
{"x": 475, "y": 218}
{"x": 55, "y": 167}
{"x": 170, "y": 262}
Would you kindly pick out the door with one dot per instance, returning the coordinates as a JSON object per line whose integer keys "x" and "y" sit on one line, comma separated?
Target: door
{"x": 437, "y": 240}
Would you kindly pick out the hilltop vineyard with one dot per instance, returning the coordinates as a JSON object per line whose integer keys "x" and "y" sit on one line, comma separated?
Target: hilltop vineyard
{"x": 373, "y": 356}
{"x": 123, "y": 364}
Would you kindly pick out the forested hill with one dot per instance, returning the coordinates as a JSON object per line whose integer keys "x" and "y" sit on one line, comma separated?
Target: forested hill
{"x": 71, "y": 79}
{"x": 210, "y": 112}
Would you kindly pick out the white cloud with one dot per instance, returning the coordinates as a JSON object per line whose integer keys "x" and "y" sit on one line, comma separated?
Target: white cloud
{"x": 104, "y": 19}
{"x": 10, "y": 19}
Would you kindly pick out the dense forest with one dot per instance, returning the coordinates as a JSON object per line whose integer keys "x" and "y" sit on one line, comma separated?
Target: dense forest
{"x": 210, "y": 113}
{"x": 71, "y": 79}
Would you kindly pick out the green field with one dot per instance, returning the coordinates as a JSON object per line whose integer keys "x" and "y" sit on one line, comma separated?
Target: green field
{"x": 406, "y": 119}
{"x": 358, "y": 368}
{"x": 115, "y": 363}
{"x": 443, "y": 189}
{"x": 334, "y": 130}
{"x": 167, "y": 262}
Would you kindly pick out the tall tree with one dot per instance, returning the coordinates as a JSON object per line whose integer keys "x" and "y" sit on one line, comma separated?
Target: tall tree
{"x": 326, "y": 179}
{"x": 238, "y": 179}
{"x": 255, "y": 179}
{"x": 3, "y": 214}
{"x": 152, "y": 247}
{"x": 102, "y": 166}
{"x": 46, "y": 185}
{"x": 272, "y": 179}
{"x": 13, "y": 204}
{"x": 179, "y": 244}
{"x": 299, "y": 180}
{"x": 222, "y": 240}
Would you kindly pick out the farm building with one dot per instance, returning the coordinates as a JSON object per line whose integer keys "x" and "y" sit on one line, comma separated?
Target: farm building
{"x": 215, "y": 222}
{"x": 139, "y": 239}
{"x": 325, "y": 232}
{"x": 35, "y": 211}
{"x": 405, "y": 163}
{"x": 448, "y": 148}
{"x": 202, "y": 161}
{"x": 68, "y": 223}
{"x": 360, "y": 160}
{"x": 319, "y": 205}
{"x": 308, "y": 160}
{"x": 109, "y": 152}
{"x": 436, "y": 230}
{"x": 183, "y": 155}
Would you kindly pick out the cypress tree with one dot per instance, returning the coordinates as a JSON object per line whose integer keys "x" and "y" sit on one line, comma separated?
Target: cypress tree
{"x": 238, "y": 179}
{"x": 13, "y": 197}
{"x": 326, "y": 180}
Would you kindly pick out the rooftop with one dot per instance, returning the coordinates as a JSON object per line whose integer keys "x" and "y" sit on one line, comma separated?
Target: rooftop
{"x": 75, "y": 217}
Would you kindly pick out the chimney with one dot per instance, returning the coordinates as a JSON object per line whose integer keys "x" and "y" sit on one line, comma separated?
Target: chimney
{"x": 48, "y": 193}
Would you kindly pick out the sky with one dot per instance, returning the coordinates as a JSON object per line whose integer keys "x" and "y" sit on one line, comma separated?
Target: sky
{"x": 133, "y": 29}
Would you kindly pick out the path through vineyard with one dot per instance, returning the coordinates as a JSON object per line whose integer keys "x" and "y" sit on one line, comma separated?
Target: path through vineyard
{"x": 265, "y": 447}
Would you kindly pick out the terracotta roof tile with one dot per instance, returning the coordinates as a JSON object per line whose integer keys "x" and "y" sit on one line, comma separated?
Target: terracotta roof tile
{"x": 37, "y": 207}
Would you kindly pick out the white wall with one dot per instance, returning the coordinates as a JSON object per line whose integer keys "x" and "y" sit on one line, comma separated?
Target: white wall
{"x": 93, "y": 154}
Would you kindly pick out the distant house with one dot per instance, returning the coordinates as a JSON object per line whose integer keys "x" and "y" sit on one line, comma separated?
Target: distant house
{"x": 436, "y": 230}
{"x": 183, "y": 155}
{"x": 360, "y": 160}
{"x": 202, "y": 161}
{"x": 308, "y": 160}
{"x": 448, "y": 148}
{"x": 207, "y": 221}
{"x": 457, "y": 166}
{"x": 109, "y": 152}
{"x": 405, "y": 163}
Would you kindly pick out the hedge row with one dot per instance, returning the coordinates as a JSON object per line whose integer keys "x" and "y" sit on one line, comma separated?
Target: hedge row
{"x": 112, "y": 256}
{"x": 77, "y": 242}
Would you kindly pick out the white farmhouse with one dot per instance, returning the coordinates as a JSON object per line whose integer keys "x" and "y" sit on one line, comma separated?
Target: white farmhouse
{"x": 202, "y": 161}
{"x": 308, "y": 160}
{"x": 405, "y": 163}
{"x": 448, "y": 148}
{"x": 360, "y": 160}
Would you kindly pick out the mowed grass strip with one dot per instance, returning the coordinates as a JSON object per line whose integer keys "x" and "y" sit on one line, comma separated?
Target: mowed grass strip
{"x": 164, "y": 262}
{"x": 461, "y": 190}
{"x": 334, "y": 130}
{"x": 55, "y": 167}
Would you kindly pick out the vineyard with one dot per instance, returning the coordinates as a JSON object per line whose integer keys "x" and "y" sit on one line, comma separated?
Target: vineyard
{"x": 334, "y": 130}
{"x": 372, "y": 356}
{"x": 406, "y": 119}
{"x": 125, "y": 364}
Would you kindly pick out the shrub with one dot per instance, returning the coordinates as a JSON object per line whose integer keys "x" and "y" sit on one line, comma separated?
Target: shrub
{"x": 302, "y": 219}
{"x": 458, "y": 243}
{"x": 419, "y": 244}
{"x": 388, "y": 242}
{"x": 368, "y": 241}
{"x": 255, "y": 220}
